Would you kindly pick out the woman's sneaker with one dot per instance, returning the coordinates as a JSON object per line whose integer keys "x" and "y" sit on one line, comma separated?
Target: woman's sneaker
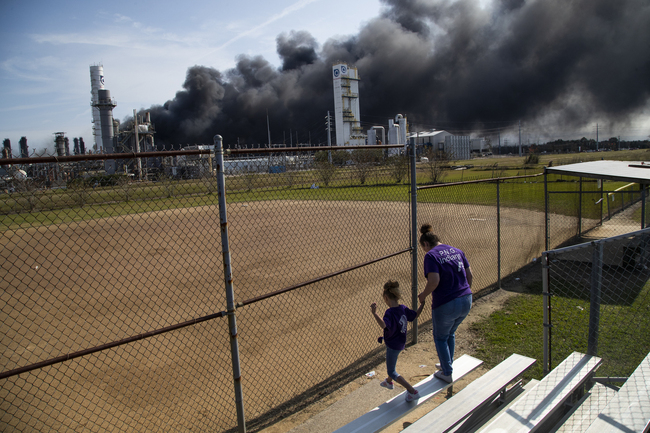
{"x": 411, "y": 397}
{"x": 387, "y": 384}
{"x": 440, "y": 375}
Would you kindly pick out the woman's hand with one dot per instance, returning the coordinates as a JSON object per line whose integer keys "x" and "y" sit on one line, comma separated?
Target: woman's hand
{"x": 373, "y": 307}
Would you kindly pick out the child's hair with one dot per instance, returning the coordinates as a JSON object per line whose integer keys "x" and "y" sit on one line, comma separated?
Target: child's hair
{"x": 427, "y": 235}
{"x": 391, "y": 289}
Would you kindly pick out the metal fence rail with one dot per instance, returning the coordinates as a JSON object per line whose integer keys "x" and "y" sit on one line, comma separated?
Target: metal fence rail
{"x": 113, "y": 287}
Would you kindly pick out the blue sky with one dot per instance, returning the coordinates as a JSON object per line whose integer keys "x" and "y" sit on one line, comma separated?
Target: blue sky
{"x": 47, "y": 47}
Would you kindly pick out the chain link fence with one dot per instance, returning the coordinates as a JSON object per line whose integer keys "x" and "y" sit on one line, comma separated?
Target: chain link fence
{"x": 113, "y": 301}
{"x": 597, "y": 300}
{"x": 583, "y": 209}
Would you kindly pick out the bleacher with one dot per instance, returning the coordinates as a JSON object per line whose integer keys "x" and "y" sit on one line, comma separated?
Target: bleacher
{"x": 565, "y": 400}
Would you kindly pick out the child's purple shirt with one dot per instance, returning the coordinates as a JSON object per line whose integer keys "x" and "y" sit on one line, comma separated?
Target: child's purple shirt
{"x": 396, "y": 319}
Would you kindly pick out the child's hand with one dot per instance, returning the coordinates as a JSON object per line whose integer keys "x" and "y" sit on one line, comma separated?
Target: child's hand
{"x": 373, "y": 307}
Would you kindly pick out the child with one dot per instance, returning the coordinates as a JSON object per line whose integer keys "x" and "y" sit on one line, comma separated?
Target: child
{"x": 394, "y": 324}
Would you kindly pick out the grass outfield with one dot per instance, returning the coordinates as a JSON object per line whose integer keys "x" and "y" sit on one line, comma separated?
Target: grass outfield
{"x": 518, "y": 329}
{"x": 35, "y": 208}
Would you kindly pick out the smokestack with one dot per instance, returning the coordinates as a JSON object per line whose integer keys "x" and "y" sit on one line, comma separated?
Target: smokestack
{"x": 82, "y": 146}
{"x": 24, "y": 151}
{"x": 67, "y": 146}
{"x": 76, "y": 146}
{"x": 6, "y": 149}
{"x": 59, "y": 143}
{"x": 106, "y": 104}
{"x": 96, "y": 84}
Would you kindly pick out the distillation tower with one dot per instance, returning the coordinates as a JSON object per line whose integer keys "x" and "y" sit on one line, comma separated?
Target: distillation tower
{"x": 346, "y": 106}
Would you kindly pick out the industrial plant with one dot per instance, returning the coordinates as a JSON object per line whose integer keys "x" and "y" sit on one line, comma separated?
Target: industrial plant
{"x": 137, "y": 136}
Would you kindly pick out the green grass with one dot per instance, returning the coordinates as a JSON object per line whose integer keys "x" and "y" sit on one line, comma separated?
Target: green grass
{"x": 38, "y": 207}
{"x": 623, "y": 343}
{"x": 517, "y": 328}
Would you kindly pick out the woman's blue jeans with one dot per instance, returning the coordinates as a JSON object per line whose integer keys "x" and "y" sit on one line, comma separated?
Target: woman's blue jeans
{"x": 446, "y": 319}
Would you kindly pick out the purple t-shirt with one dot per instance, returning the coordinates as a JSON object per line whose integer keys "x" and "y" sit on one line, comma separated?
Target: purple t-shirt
{"x": 450, "y": 263}
{"x": 396, "y": 319}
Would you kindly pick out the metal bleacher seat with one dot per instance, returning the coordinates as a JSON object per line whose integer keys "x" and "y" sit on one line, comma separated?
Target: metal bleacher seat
{"x": 546, "y": 400}
{"x": 391, "y": 411}
{"x": 474, "y": 398}
{"x": 629, "y": 410}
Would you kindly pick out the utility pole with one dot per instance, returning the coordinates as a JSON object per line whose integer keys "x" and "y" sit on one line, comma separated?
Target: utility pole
{"x": 597, "y": 143}
{"x": 499, "y": 142}
{"x": 268, "y": 129}
{"x": 329, "y": 138}
{"x": 520, "y": 153}
{"x": 137, "y": 143}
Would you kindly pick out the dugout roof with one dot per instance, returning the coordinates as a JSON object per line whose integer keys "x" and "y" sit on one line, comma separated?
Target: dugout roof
{"x": 626, "y": 171}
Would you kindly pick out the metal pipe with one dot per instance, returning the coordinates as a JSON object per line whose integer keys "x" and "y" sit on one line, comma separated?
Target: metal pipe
{"x": 414, "y": 239}
{"x": 546, "y": 216}
{"x": 230, "y": 295}
{"x": 594, "y": 305}
{"x": 467, "y": 182}
{"x": 84, "y": 352}
{"x": 580, "y": 209}
{"x": 129, "y": 155}
{"x": 643, "y": 189}
{"x": 316, "y": 280}
{"x": 547, "y": 315}
{"x": 498, "y": 236}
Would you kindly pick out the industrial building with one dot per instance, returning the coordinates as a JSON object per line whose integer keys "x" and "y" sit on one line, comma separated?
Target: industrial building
{"x": 107, "y": 135}
{"x": 346, "y": 106}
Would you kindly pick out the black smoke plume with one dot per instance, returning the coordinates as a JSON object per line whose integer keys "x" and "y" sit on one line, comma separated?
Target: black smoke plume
{"x": 446, "y": 64}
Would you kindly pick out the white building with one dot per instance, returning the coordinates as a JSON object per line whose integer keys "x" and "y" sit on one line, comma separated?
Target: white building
{"x": 458, "y": 147}
{"x": 346, "y": 106}
{"x": 434, "y": 138}
{"x": 479, "y": 145}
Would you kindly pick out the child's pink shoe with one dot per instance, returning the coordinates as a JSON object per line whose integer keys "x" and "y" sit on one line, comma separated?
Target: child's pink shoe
{"x": 411, "y": 397}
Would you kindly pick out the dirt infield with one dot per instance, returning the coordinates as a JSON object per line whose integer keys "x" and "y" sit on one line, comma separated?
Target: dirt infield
{"x": 70, "y": 287}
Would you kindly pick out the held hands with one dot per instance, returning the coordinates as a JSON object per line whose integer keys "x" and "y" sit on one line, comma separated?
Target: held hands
{"x": 422, "y": 298}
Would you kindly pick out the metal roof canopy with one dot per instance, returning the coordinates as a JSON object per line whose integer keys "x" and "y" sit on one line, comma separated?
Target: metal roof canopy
{"x": 627, "y": 171}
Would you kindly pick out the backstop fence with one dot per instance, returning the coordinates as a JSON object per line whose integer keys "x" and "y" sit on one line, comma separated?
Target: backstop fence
{"x": 114, "y": 311}
{"x": 596, "y": 301}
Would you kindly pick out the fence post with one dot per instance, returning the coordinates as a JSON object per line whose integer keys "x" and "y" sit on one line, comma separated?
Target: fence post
{"x": 580, "y": 209}
{"x": 414, "y": 239}
{"x": 642, "y": 205}
{"x": 602, "y": 186}
{"x": 498, "y": 236}
{"x": 547, "y": 233}
{"x": 230, "y": 295}
{"x": 594, "y": 306}
{"x": 546, "y": 297}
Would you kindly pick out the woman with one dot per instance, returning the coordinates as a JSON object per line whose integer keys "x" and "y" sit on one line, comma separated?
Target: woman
{"x": 449, "y": 281}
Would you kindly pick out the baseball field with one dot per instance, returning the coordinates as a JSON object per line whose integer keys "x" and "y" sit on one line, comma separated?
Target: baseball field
{"x": 74, "y": 286}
